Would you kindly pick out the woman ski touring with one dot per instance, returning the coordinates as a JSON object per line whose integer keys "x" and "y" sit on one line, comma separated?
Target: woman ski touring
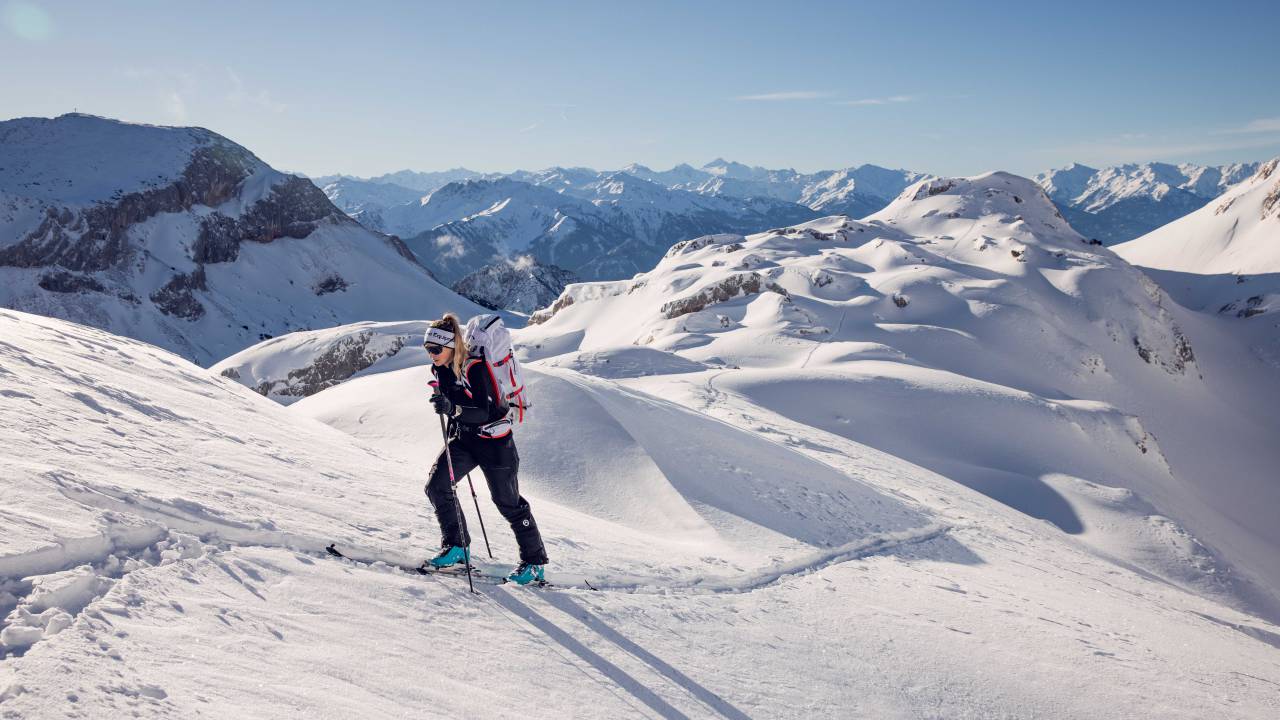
{"x": 470, "y": 395}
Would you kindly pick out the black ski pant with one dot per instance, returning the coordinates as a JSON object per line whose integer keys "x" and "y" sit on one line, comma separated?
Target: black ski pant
{"x": 499, "y": 461}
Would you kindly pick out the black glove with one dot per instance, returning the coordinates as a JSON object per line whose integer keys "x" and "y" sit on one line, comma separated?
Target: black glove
{"x": 442, "y": 404}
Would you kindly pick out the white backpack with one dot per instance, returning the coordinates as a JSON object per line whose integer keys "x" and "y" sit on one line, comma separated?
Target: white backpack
{"x": 488, "y": 337}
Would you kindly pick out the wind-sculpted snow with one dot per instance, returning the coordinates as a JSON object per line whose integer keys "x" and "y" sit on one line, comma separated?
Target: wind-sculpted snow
{"x": 1049, "y": 365}
{"x": 74, "y": 395}
{"x": 709, "y": 484}
{"x": 250, "y": 473}
{"x": 941, "y": 256}
{"x": 630, "y": 361}
{"x": 182, "y": 238}
{"x": 162, "y": 557}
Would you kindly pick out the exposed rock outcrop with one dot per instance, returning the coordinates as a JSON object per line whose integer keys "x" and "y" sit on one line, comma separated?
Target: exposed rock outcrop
{"x": 65, "y": 282}
{"x": 546, "y": 314}
{"x": 293, "y": 208}
{"x": 750, "y": 283}
{"x": 94, "y": 238}
{"x": 176, "y": 297}
{"x": 520, "y": 286}
{"x": 331, "y": 284}
{"x": 345, "y": 358}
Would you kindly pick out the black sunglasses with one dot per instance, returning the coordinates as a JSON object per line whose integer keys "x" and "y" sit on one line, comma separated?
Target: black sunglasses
{"x": 434, "y": 349}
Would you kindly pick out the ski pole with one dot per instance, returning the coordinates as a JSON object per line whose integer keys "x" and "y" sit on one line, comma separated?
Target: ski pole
{"x": 479, "y": 517}
{"x": 457, "y": 506}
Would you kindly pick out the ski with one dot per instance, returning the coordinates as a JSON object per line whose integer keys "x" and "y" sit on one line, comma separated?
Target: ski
{"x": 455, "y": 571}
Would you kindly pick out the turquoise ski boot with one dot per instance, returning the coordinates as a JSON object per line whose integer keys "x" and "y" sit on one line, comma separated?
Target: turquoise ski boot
{"x": 526, "y": 573}
{"x": 451, "y": 555}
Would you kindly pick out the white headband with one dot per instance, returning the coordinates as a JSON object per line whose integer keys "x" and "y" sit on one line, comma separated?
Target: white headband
{"x": 439, "y": 336}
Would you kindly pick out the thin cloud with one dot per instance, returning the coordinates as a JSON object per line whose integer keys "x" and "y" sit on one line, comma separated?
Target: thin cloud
{"x": 785, "y": 96}
{"x": 530, "y": 128}
{"x": 1116, "y": 150}
{"x": 182, "y": 78}
{"x": 176, "y": 108}
{"x": 1261, "y": 125}
{"x": 564, "y": 109}
{"x": 261, "y": 99}
{"x": 864, "y": 102}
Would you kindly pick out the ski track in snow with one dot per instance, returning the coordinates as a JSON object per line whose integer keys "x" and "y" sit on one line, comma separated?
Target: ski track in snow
{"x": 160, "y": 533}
{"x": 166, "y": 518}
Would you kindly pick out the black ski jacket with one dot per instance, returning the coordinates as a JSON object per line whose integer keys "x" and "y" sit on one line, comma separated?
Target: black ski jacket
{"x": 474, "y": 400}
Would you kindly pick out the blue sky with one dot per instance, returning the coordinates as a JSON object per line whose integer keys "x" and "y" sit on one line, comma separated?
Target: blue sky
{"x": 943, "y": 87}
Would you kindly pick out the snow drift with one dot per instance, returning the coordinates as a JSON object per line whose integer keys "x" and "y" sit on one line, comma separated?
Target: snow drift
{"x": 164, "y": 560}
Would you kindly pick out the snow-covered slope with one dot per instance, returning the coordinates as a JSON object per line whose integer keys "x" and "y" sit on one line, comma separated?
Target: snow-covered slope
{"x": 182, "y": 238}
{"x": 165, "y": 560}
{"x": 1120, "y": 203}
{"x": 291, "y": 367}
{"x": 969, "y": 329}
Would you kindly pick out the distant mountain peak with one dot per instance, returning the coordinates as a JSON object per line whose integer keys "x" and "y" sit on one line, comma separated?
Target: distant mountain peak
{"x": 1122, "y": 202}
{"x": 520, "y": 284}
{"x": 162, "y": 234}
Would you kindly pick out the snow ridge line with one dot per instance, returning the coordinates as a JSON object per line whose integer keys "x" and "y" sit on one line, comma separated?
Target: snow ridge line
{"x": 170, "y": 518}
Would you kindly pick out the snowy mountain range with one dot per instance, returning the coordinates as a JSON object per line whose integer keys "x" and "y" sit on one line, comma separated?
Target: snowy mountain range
{"x": 181, "y": 238}
{"x": 601, "y": 224}
{"x": 420, "y": 182}
{"x": 850, "y": 191}
{"x": 1120, "y": 203}
{"x": 468, "y": 219}
{"x": 613, "y": 226}
{"x": 355, "y": 196}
